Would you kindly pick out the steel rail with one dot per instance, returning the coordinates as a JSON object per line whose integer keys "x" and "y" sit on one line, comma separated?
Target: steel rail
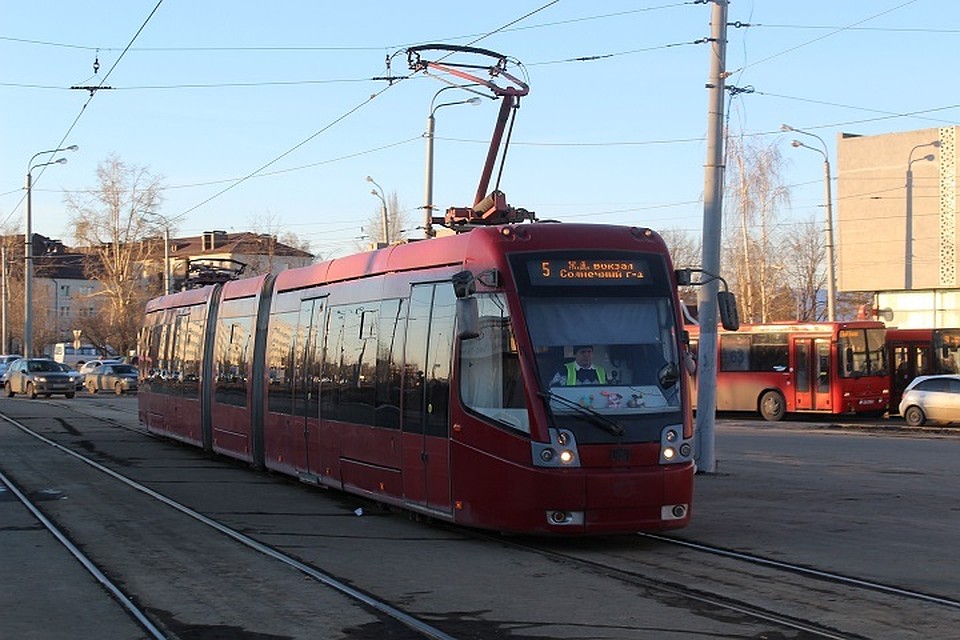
{"x": 381, "y": 606}
{"x": 806, "y": 571}
{"x": 125, "y": 601}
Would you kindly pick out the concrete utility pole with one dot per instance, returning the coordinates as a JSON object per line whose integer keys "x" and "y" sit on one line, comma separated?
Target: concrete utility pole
{"x": 712, "y": 218}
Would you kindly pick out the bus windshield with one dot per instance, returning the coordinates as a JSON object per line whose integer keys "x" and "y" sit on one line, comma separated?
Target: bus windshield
{"x": 862, "y": 353}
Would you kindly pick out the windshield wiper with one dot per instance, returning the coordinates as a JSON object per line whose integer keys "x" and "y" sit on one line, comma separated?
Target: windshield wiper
{"x": 594, "y": 418}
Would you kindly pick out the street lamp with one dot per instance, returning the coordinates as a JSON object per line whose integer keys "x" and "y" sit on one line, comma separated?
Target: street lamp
{"x": 383, "y": 209}
{"x": 831, "y": 277}
{"x": 28, "y": 246}
{"x": 908, "y": 248}
{"x": 428, "y": 187}
{"x": 166, "y": 249}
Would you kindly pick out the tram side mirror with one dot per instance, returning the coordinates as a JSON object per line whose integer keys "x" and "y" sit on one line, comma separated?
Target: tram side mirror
{"x": 727, "y": 304}
{"x": 684, "y": 277}
{"x": 464, "y": 284}
{"x": 468, "y": 319}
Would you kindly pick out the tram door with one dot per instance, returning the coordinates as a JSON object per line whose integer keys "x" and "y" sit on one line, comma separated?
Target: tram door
{"x": 308, "y": 367}
{"x": 428, "y": 358}
{"x": 812, "y": 374}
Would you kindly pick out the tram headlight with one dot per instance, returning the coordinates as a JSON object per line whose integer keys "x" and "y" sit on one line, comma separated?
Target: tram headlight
{"x": 671, "y": 435}
{"x": 669, "y": 453}
{"x": 685, "y": 449}
{"x": 561, "y": 451}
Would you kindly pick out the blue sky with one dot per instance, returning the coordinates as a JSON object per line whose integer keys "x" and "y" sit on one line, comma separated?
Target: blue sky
{"x": 209, "y": 92}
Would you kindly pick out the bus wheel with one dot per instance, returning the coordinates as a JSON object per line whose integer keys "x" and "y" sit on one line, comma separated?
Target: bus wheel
{"x": 914, "y": 416}
{"x": 772, "y": 406}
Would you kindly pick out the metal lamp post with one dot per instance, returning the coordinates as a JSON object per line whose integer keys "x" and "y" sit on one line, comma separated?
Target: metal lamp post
{"x": 378, "y": 191}
{"x": 908, "y": 232}
{"x": 428, "y": 182}
{"x": 831, "y": 261}
{"x": 28, "y": 246}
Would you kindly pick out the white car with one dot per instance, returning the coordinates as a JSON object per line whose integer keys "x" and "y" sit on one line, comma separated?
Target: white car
{"x": 90, "y": 365}
{"x": 935, "y": 398}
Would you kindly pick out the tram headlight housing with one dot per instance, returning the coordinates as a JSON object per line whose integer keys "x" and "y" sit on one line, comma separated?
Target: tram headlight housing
{"x": 561, "y": 451}
{"x": 673, "y": 448}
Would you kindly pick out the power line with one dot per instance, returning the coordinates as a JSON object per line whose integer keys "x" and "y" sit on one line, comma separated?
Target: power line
{"x": 89, "y": 100}
{"x": 823, "y": 37}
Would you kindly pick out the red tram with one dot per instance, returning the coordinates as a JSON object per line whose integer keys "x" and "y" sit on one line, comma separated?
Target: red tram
{"x": 419, "y": 376}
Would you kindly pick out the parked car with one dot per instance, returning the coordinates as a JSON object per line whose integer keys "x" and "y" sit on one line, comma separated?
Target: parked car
{"x": 6, "y": 361}
{"x": 75, "y": 375}
{"x": 39, "y": 376}
{"x": 117, "y": 377}
{"x": 90, "y": 365}
{"x": 935, "y": 398}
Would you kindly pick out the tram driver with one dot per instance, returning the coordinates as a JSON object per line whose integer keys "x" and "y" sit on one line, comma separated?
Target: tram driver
{"x": 580, "y": 370}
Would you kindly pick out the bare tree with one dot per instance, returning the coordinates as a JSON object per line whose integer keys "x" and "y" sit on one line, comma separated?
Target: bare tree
{"x": 757, "y": 193}
{"x": 685, "y": 251}
{"x": 109, "y": 224}
{"x": 803, "y": 260}
{"x": 397, "y": 223}
{"x": 267, "y": 229}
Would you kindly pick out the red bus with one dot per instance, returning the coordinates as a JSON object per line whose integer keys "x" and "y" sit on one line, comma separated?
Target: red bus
{"x": 823, "y": 367}
{"x": 419, "y": 376}
{"x": 914, "y": 352}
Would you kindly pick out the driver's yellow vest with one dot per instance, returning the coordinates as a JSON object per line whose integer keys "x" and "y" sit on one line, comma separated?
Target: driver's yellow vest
{"x": 572, "y": 374}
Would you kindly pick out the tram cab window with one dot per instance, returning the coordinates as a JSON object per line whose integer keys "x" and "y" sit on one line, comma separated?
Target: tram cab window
{"x": 490, "y": 380}
{"x": 632, "y": 341}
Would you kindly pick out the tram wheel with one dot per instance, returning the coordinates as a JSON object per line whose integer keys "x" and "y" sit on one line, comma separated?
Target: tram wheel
{"x": 772, "y": 406}
{"x": 914, "y": 416}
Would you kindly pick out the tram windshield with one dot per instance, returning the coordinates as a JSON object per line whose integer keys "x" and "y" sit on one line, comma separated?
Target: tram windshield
{"x": 611, "y": 355}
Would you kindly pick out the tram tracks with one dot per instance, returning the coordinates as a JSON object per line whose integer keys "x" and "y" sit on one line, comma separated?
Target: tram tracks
{"x": 142, "y": 614}
{"x": 789, "y": 600}
{"x": 829, "y": 576}
{"x": 813, "y": 602}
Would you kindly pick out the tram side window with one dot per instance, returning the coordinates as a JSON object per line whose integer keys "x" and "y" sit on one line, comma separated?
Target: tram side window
{"x": 428, "y": 358}
{"x": 348, "y": 388}
{"x": 307, "y": 383}
{"x": 150, "y": 355}
{"x": 192, "y": 354}
{"x": 490, "y": 380}
{"x": 232, "y": 351}
{"x": 389, "y": 363}
{"x": 280, "y": 345}
{"x": 414, "y": 357}
{"x": 440, "y": 360}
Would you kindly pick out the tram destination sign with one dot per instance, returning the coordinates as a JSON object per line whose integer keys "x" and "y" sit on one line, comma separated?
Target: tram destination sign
{"x": 588, "y": 271}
